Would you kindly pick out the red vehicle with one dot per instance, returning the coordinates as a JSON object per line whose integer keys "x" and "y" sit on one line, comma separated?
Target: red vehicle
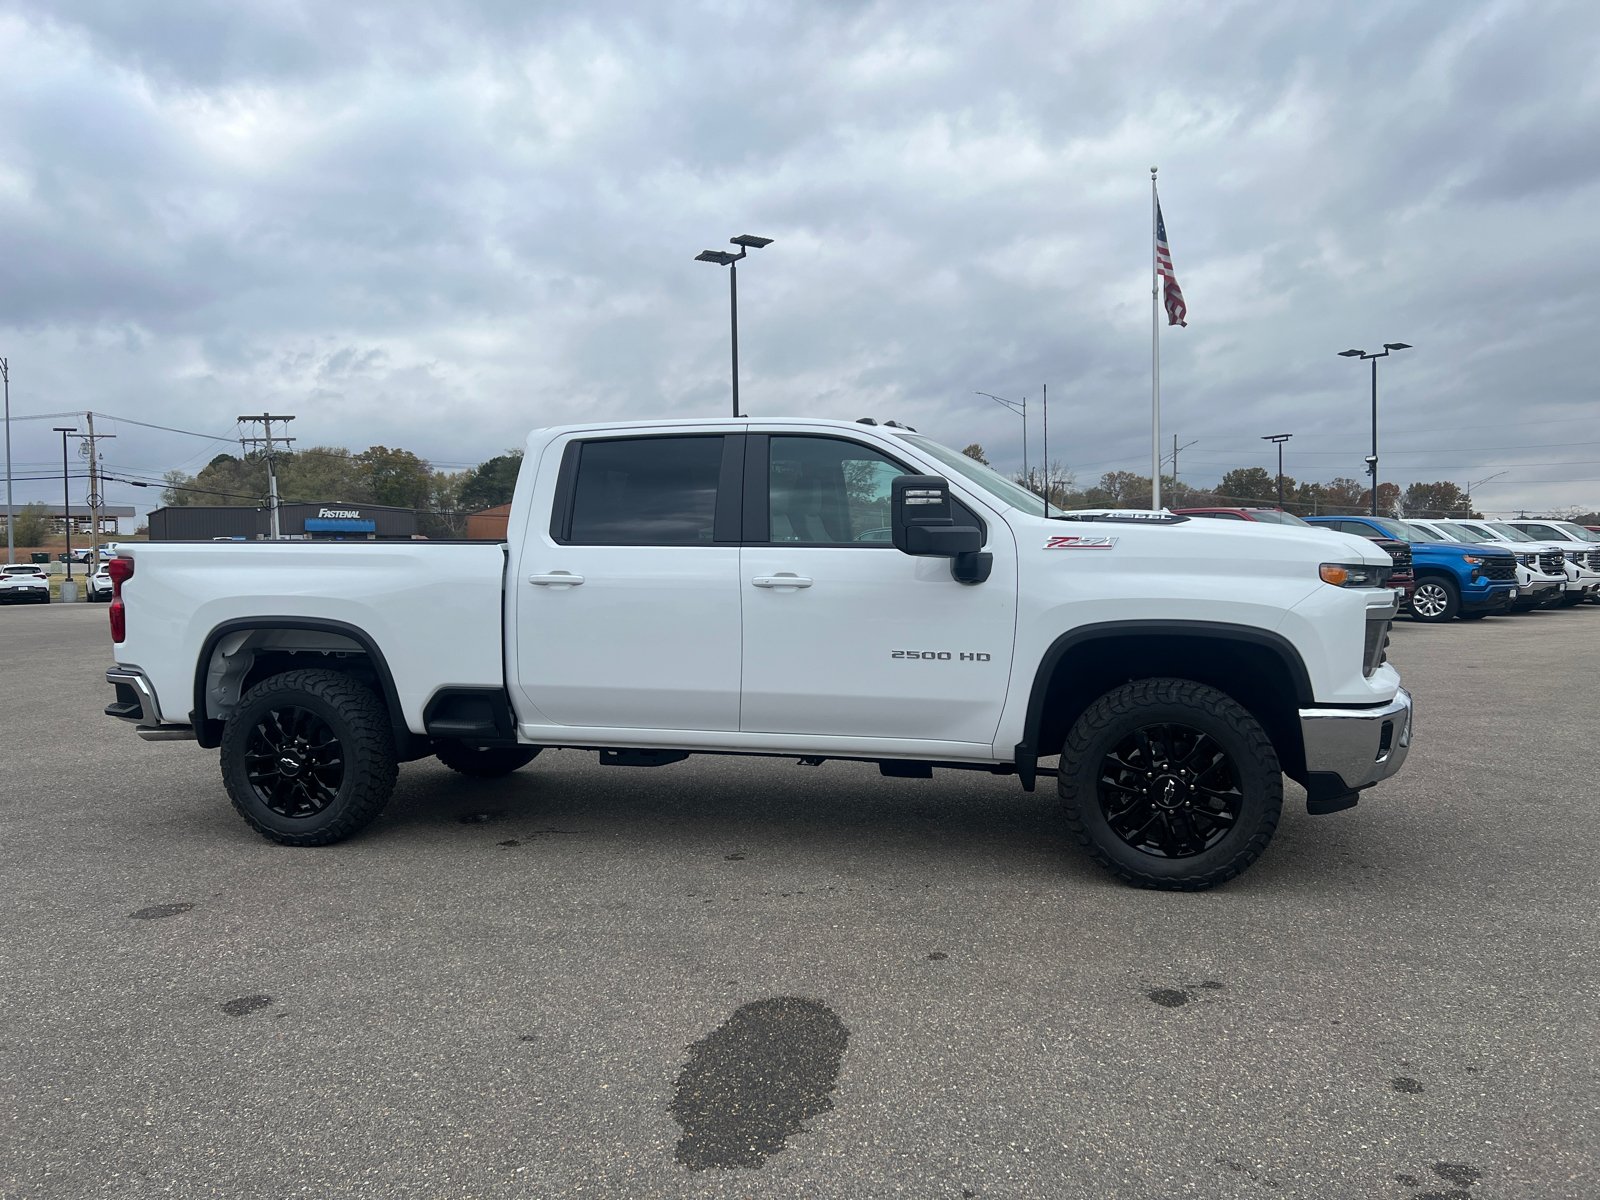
{"x": 1397, "y": 550}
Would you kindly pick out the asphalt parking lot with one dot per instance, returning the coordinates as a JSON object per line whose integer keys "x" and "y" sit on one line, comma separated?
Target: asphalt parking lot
{"x": 495, "y": 989}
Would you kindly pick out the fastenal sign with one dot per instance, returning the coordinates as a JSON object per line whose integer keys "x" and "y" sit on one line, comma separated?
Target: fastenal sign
{"x": 339, "y": 514}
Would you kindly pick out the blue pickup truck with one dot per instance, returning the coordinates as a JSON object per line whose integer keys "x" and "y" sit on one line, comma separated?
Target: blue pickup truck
{"x": 1452, "y": 580}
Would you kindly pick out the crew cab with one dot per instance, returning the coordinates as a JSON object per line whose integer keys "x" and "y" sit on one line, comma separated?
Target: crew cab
{"x": 790, "y": 588}
{"x": 1452, "y": 581}
{"x": 24, "y": 584}
{"x": 1398, "y": 551}
{"x": 1541, "y": 568}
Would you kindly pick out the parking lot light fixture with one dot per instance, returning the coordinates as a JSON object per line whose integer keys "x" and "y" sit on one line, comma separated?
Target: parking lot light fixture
{"x": 1278, "y": 439}
{"x": 746, "y": 243}
{"x": 1372, "y": 459}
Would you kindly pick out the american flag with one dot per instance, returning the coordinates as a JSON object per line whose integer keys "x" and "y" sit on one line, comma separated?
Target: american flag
{"x": 1172, "y": 293}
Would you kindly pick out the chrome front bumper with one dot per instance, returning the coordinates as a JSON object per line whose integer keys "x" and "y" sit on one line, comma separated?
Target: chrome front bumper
{"x": 1360, "y": 745}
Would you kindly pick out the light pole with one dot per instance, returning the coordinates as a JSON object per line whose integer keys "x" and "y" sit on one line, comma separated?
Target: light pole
{"x": 11, "y": 513}
{"x": 1022, "y": 411}
{"x": 1278, "y": 439}
{"x": 746, "y": 243}
{"x": 1372, "y": 459}
{"x": 66, "y": 492}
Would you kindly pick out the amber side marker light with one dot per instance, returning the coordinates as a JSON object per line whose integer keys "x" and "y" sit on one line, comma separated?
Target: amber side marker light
{"x": 1334, "y": 574}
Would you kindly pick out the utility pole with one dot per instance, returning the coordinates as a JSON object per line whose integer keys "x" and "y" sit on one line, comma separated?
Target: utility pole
{"x": 1047, "y": 449}
{"x": 66, "y": 496}
{"x": 96, "y": 501}
{"x": 270, "y": 442}
{"x": 1175, "y": 449}
{"x": 11, "y": 513}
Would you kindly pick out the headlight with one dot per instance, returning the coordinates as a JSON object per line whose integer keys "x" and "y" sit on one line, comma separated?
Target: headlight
{"x": 1471, "y": 558}
{"x": 1354, "y": 575}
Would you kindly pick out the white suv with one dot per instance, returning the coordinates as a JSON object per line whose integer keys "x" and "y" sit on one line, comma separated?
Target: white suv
{"x": 24, "y": 584}
{"x": 1541, "y": 568}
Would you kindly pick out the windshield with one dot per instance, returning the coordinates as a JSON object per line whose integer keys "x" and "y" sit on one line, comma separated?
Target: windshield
{"x": 1578, "y": 532}
{"x": 974, "y": 472}
{"x": 1464, "y": 533}
{"x": 1273, "y": 516}
{"x": 1399, "y": 529}
{"x": 1510, "y": 532}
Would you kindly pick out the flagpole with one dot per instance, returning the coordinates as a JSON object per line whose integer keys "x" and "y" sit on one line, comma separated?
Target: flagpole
{"x": 1155, "y": 355}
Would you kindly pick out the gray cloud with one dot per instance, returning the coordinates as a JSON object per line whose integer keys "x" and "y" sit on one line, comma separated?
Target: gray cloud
{"x": 437, "y": 226}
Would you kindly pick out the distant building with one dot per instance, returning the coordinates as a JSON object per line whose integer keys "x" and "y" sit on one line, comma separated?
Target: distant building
{"x": 490, "y": 524}
{"x": 315, "y": 522}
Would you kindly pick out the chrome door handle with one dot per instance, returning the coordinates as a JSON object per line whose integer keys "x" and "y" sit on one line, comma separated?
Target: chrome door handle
{"x": 782, "y": 579}
{"x": 556, "y": 577}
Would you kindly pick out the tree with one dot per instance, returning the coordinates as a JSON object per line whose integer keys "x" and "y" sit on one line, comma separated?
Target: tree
{"x": 490, "y": 483}
{"x": 33, "y": 524}
{"x": 322, "y": 474}
{"x": 975, "y": 452}
{"x": 1443, "y": 499}
{"x": 394, "y": 477}
{"x": 1388, "y": 500}
{"x": 1248, "y": 485}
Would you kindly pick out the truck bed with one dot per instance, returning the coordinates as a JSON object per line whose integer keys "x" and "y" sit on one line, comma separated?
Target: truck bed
{"x": 431, "y": 609}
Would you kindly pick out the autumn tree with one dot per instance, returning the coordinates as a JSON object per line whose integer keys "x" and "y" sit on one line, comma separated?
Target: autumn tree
{"x": 1244, "y": 486}
{"x": 1438, "y": 500}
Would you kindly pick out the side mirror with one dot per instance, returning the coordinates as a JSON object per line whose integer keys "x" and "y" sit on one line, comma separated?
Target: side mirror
{"x": 922, "y": 524}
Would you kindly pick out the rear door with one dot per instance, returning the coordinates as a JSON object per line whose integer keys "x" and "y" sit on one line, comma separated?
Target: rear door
{"x": 627, "y": 593}
{"x": 865, "y": 641}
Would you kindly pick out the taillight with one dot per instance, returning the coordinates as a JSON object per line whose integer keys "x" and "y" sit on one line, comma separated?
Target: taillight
{"x": 120, "y": 570}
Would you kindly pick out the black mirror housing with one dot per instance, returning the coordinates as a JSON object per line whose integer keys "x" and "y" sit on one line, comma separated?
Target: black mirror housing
{"x": 922, "y": 524}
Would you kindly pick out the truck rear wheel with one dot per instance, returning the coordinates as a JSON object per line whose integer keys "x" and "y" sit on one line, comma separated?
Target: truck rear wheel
{"x": 308, "y": 758}
{"x": 1436, "y": 599}
{"x": 485, "y": 762}
{"x": 1170, "y": 784}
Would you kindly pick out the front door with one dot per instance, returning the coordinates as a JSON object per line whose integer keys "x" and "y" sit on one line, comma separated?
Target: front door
{"x": 646, "y": 633}
{"x": 866, "y": 641}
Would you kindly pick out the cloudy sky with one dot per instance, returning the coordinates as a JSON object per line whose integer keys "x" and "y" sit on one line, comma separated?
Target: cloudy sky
{"x": 436, "y": 226}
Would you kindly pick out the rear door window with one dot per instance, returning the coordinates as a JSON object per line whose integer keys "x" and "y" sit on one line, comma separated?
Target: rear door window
{"x": 650, "y": 491}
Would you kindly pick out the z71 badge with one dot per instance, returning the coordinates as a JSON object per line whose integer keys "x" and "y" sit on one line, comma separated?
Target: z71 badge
{"x": 1078, "y": 542}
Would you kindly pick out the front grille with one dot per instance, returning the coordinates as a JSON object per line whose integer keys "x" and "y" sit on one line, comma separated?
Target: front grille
{"x": 1550, "y": 562}
{"x": 1502, "y": 568}
{"x": 1377, "y": 648}
{"x": 1401, "y": 553}
{"x": 1594, "y": 560}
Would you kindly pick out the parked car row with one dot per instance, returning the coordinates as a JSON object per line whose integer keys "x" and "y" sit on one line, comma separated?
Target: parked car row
{"x": 1468, "y": 568}
{"x": 30, "y": 584}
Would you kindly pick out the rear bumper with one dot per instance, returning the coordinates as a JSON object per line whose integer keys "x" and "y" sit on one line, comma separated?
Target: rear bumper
{"x": 136, "y": 701}
{"x": 1361, "y": 746}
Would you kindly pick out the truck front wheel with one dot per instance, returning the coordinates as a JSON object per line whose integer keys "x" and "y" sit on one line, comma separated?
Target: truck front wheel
{"x": 1436, "y": 599}
{"x": 485, "y": 762}
{"x": 1170, "y": 784}
{"x": 308, "y": 757}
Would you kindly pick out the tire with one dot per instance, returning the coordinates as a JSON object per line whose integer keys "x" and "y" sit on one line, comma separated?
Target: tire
{"x": 1436, "y": 599}
{"x": 339, "y": 733}
{"x": 1475, "y": 616}
{"x": 485, "y": 762}
{"x": 1100, "y": 761}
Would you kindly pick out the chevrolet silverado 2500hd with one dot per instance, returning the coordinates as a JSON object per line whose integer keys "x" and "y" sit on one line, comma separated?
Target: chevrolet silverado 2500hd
{"x": 802, "y": 588}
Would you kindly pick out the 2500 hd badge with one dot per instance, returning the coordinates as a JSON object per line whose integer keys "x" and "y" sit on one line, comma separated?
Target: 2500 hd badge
{"x": 939, "y": 655}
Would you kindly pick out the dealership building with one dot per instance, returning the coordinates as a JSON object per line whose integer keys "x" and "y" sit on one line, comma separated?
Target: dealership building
{"x": 300, "y": 521}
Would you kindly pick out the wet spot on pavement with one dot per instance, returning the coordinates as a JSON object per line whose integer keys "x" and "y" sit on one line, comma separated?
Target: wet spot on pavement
{"x": 245, "y": 1005}
{"x": 1408, "y": 1180}
{"x": 938, "y": 955}
{"x": 509, "y": 842}
{"x": 1212, "y": 985}
{"x": 1168, "y": 997}
{"x": 157, "y": 911}
{"x": 754, "y": 1080}
{"x": 1457, "y": 1173}
{"x": 1403, "y": 1084}
{"x": 732, "y": 857}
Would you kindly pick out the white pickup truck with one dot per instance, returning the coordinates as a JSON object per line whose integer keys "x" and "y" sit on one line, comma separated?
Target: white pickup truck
{"x": 801, "y": 588}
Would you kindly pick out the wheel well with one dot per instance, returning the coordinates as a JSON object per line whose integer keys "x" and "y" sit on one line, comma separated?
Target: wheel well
{"x": 1266, "y": 678}
{"x": 240, "y": 654}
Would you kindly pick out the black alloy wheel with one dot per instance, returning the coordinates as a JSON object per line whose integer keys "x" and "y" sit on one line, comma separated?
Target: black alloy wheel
{"x": 1170, "y": 783}
{"x": 308, "y": 757}
{"x": 294, "y": 762}
{"x": 1169, "y": 790}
